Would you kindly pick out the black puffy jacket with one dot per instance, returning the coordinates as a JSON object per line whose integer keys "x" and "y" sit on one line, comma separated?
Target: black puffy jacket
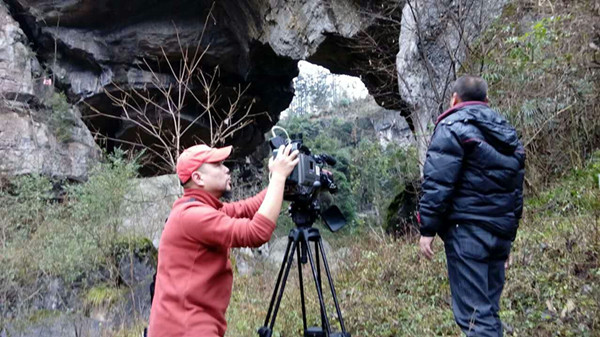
{"x": 473, "y": 173}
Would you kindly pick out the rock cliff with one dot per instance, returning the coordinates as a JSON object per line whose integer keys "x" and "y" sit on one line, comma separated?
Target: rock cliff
{"x": 97, "y": 48}
{"x": 94, "y": 49}
{"x": 434, "y": 38}
{"x": 32, "y": 138}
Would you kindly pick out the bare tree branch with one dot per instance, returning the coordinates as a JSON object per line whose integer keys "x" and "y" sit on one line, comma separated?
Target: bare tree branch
{"x": 161, "y": 115}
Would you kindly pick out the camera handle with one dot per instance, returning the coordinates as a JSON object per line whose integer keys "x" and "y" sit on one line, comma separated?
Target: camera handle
{"x": 285, "y": 141}
{"x": 299, "y": 239}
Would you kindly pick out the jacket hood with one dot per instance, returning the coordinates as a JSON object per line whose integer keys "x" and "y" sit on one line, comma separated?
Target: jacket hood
{"x": 496, "y": 130}
{"x": 500, "y": 135}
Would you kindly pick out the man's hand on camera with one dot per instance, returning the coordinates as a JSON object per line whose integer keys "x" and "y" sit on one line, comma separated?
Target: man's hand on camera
{"x": 425, "y": 244}
{"x": 283, "y": 164}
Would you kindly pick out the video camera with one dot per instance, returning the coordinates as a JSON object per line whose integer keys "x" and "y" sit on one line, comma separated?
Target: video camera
{"x": 303, "y": 188}
{"x": 305, "y": 184}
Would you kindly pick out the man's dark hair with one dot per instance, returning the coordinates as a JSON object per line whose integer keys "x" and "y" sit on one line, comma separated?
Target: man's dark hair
{"x": 471, "y": 88}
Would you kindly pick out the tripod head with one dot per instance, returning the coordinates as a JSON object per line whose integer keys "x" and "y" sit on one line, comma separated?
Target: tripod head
{"x": 304, "y": 214}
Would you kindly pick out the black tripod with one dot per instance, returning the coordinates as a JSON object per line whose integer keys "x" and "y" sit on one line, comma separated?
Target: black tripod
{"x": 298, "y": 242}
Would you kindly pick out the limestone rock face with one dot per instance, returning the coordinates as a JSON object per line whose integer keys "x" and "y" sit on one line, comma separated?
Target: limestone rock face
{"x": 17, "y": 61}
{"x": 433, "y": 39}
{"x": 93, "y": 46}
{"x": 297, "y": 28}
{"x": 392, "y": 127}
{"x": 29, "y": 145}
{"x": 28, "y": 141}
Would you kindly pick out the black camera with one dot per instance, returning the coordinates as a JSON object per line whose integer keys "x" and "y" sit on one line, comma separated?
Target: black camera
{"x": 304, "y": 188}
{"x": 305, "y": 184}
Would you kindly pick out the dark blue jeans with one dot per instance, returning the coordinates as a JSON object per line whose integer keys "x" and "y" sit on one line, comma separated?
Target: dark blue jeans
{"x": 476, "y": 270}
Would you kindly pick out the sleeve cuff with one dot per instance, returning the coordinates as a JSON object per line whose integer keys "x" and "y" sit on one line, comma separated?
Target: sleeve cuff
{"x": 429, "y": 226}
{"x": 425, "y": 232}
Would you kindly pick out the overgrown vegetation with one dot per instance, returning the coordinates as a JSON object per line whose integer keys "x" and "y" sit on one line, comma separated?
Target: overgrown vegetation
{"x": 61, "y": 118}
{"x": 542, "y": 65}
{"x": 368, "y": 176}
{"x": 71, "y": 236}
{"x": 386, "y": 289}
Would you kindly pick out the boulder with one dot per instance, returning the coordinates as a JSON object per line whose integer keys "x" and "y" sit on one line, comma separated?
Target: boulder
{"x": 147, "y": 205}
{"x": 392, "y": 128}
{"x": 277, "y": 251}
{"x": 60, "y": 324}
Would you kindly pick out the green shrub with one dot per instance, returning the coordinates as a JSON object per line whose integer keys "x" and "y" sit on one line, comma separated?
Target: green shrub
{"x": 95, "y": 208}
{"x": 45, "y": 237}
{"x": 61, "y": 117}
{"x": 25, "y": 202}
{"x": 577, "y": 193}
{"x": 24, "y": 208}
{"x": 103, "y": 295}
{"x": 542, "y": 78}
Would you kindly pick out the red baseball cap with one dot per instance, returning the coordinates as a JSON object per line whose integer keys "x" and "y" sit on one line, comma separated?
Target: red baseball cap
{"x": 193, "y": 157}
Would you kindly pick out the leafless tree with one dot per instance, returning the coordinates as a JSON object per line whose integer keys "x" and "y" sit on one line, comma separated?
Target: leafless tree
{"x": 161, "y": 113}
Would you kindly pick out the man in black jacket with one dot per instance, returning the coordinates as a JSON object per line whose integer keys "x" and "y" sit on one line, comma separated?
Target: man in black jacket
{"x": 473, "y": 199}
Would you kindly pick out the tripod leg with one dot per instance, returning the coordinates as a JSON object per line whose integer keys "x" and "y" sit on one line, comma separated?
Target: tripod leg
{"x": 285, "y": 276}
{"x": 335, "y": 301}
{"x": 319, "y": 292}
{"x": 278, "y": 283}
{"x": 319, "y": 279}
{"x": 301, "y": 289}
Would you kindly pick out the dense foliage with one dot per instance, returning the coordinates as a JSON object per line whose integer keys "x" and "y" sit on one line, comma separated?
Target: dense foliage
{"x": 368, "y": 176}
{"x": 542, "y": 64}
{"x": 67, "y": 234}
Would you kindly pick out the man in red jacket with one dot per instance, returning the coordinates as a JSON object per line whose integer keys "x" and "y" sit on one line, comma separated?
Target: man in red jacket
{"x": 194, "y": 276}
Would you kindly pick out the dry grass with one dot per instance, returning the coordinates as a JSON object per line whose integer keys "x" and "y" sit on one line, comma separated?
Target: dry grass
{"x": 386, "y": 289}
